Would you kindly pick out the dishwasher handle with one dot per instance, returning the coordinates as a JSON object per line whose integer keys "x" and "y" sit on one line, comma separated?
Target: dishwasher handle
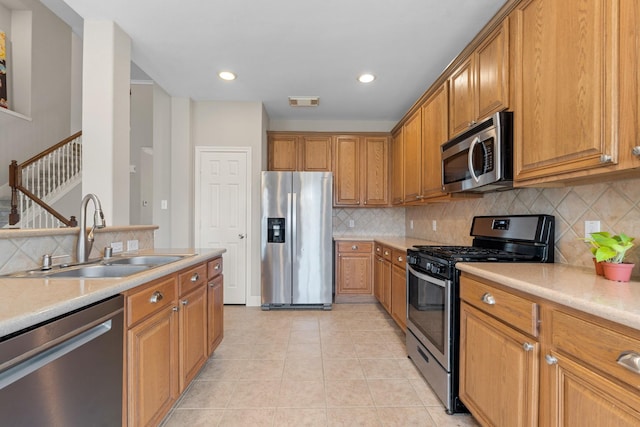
{"x": 32, "y": 364}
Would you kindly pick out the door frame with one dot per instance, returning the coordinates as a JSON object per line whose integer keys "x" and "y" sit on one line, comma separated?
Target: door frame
{"x": 199, "y": 150}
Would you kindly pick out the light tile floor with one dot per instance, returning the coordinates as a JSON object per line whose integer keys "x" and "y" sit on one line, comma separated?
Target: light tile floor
{"x": 344, "y": 367}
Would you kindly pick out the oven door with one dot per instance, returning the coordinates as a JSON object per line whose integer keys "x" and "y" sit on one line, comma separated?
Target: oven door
{"x": 429, "y": 313}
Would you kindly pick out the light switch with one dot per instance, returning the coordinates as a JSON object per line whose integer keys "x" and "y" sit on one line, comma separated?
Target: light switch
{"x": 591, "y": 227}
{"x": 164, "y": 204}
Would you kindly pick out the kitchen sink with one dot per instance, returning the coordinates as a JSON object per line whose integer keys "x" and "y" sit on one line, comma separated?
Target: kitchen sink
{"x": 144, "y": 260}
{"x": 98, "y": 271}
{"x": 115, "y": 267}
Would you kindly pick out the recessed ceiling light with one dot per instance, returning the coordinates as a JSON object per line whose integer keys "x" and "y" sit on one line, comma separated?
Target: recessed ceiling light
{"x": 366, "y": 78}
{"x": 226, "y": 75}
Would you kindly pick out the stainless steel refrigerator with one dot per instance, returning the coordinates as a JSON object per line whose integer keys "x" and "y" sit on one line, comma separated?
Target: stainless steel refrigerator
{"x": 297, "y": 240}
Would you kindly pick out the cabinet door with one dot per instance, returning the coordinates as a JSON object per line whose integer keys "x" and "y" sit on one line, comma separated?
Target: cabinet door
{"x": 397, "y": 168}
{"x": 376, "y": 171}
{"x": 283, "y": 152}
{"x": 566, "y": 86}
{"x": 412, "y": 134}
{"x": 152, "y": 368}
{"x": 492, "y": 72}
{"x": 399, "y": 296}
{"x": 435, "y": 131}
{"x": 578, "y": 397}
{"x": 347, "y": 171}
{"x": 193, "y": 334}
{"x": 315, "y": 153}
{"x": 386, "y": 285}
{"x": 378, "y": 277}
{"x": 215, "y": 311}
{"x": 498, "y": 371}
{"x": 461, "y": 103}
{"x": 354, "y": 274}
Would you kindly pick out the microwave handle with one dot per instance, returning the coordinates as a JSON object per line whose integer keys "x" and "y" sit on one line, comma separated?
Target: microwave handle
{"x": 475, "y": 142}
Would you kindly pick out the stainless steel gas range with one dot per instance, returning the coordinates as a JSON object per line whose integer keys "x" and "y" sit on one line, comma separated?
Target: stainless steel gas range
{"x": 433, "y": 291}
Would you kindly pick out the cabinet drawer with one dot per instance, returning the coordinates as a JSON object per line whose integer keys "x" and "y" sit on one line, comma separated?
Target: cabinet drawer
{"x": 399, "y": 258}
{"x": 150, "y": 300}
{"x": 360, "y": 247}
{"x": 192, "y": 278}
{"x": 594, "y": 344}
{"x": 214, "y": 267}
{"x": 514, "y": 310}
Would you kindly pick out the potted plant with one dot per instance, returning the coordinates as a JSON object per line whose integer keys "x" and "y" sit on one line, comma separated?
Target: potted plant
{"x": 611, "y": 250}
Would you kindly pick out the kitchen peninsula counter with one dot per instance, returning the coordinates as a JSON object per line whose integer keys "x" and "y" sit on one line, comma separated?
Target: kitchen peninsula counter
{"x": 25, "y": 302}
{"x": 574, "y": 287}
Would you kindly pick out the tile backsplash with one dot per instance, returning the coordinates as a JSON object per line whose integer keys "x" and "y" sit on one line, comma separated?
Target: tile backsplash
{"x": 368, "y": 222}
{"x": 23, "y": 249}
{"x": 616, "y": 205}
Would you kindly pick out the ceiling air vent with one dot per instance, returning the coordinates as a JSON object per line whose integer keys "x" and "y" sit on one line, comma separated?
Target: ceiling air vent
{"x": 304, "y": 101}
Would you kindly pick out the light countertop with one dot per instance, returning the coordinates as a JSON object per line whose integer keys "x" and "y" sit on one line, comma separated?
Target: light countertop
{"x": 401, "y": 243}
{"x": 25, "y": 302}
{"x": 574, "y": 287}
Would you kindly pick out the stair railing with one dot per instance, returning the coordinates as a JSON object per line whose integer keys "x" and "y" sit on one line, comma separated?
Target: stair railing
{"x": 40, "y": 178}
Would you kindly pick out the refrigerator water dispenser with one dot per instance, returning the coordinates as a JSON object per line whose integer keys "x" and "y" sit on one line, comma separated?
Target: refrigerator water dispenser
{"x": 275, "y": 230}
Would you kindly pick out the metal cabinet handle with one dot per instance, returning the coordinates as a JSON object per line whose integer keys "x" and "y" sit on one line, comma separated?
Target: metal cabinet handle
{"x": 630, "y": 360}
{"x": 242, "y": 235}
{"x": 378, "y": 250}
{"x": 551, "y": 360}
{"x": 156, "y": 297}
{"x": 489, "y": 299}
{"x": 636, "y": 151}
{"x": 175, "y": 309}
{"x": 399, "y": 259}
{"x": 386, "y": 252}
{"x": 365, "y": 202}
{"x": 195, "y": 277}
{"x": 527, "y": 346}
{"x": 217, "y": 267}
{"x": 354, "y": 247}
{"x": 185, "y": 301}
{"x": 605, "y": 158}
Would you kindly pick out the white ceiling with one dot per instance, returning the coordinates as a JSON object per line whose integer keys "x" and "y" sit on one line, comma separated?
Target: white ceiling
{"x": 281, "y": 48}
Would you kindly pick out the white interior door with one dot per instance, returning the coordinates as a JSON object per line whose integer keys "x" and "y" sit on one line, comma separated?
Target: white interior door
{"x": 221, "y": 214}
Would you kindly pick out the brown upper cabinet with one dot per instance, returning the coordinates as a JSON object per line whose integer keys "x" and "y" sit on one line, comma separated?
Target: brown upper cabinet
{"x": 361, "y": 170}
{"x": 299, "y": 152}
{"x": 412, "y": 147}
{"x": 576, "y": 97}
{"x": 435, "y": 129}
{"x": 480, "y": 85}
{"x": 397, "y": 167}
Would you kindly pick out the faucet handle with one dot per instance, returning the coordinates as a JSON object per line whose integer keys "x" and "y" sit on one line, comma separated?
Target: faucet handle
{"x": 47, "y": 260}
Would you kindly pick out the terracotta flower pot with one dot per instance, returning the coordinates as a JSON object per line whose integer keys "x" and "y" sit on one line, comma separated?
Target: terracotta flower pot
{"x": 617, "y": 272}
{"x": 599, "y": 269}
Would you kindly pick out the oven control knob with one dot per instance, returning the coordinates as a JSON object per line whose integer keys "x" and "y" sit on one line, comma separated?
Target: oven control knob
{"x": 427, "y": 266}
{"x": 435, "y": 269}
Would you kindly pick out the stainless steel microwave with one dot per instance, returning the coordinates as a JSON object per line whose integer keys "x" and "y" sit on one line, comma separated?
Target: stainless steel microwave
{"x": 480, "y": 159}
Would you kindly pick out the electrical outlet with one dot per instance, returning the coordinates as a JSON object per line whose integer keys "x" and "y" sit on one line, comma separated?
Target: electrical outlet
{"x": 434, "y": 225}
{"x": 132, "y": 245}
{"x": 352, "y": 223}
{"x": 410, "y": 224}
{"x": 591, "y": 227}
{"x": 116, "y": 247}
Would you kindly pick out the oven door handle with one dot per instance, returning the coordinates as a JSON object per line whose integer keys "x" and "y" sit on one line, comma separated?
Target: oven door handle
{"x": 427, "y": 278}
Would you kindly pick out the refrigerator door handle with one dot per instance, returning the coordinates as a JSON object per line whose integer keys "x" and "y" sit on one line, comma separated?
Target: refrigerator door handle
{"x": 293, "y": 214}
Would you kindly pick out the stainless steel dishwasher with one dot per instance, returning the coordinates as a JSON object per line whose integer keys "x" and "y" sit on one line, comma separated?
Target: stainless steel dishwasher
{"x": 67, "y": 371}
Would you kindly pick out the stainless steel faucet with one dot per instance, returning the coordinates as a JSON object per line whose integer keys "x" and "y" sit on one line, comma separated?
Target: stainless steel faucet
{"x": 85, "y": 240}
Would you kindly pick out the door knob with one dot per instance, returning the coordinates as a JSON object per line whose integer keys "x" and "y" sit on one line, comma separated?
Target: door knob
{"x": 242, "y": 235}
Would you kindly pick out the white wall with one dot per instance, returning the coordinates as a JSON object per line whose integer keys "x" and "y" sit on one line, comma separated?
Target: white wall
{"x": 50, "y": 92}
{"x": 162, "y": 166}
{"x": 181, "y": 203}
{"x": 141, "y": 136}
{"x": 237, "y": 124}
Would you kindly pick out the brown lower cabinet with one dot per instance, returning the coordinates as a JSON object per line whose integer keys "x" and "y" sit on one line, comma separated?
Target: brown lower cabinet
{"x": 354, "y": 265}
{"x": 168, "y": 340}
{"x": 390, "y": 282}
{"x": 526, "y": 361}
